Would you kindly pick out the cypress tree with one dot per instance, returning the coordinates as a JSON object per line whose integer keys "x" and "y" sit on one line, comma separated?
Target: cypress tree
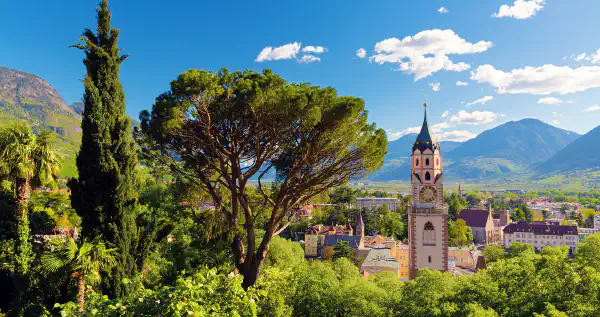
{"x": 104, "y": 195}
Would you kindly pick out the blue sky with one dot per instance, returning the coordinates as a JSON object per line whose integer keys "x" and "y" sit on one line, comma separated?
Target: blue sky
{"x": 524, "y": 62}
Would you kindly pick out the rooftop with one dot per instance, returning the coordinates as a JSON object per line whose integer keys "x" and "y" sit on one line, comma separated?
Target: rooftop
{"x": 333, "y": 240}
{"x": 473, "y": 217}
{"x": 547, "y": 228}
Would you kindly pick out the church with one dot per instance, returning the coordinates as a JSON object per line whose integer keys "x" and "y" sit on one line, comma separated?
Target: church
{"x": 427, "y": 217}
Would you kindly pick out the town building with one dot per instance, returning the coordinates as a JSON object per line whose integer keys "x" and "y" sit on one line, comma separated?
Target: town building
{"x": 384, "y": 255}
{"x": 427, "y": 217}
{"x": 482, "y": 224}
{"x": 331, "y": 241}
{"x": 584, "y": 232}
{"x": 314, "y": 238}
{"x": 461, "y": 257}
{"x": 370, "y": 203}
{"x": 541, "y": 234}
{"x": 501, "y": 223}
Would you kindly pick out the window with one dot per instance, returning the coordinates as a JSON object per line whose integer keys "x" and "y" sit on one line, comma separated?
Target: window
{"x": 428, "y": 234}
{"x": 427, "y": 162}
{"x": 417, "y": 162}
{"x": 427, "y": 176}
{"x": 430, "y": 259}
{"x": 437, "y": 162}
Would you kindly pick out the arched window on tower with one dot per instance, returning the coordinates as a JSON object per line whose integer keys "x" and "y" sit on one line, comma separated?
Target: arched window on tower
{"x": 417, "y": 162}
{"x": 426, "y": 162}
{"x": 428, "y": 234}
{"x": 427, "y": 176}
{"x": 437, "y": 162}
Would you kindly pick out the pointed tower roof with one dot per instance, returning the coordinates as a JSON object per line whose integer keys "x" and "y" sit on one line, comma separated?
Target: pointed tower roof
{"x": 359, "y": 222}
{"x": 425, "y": 139}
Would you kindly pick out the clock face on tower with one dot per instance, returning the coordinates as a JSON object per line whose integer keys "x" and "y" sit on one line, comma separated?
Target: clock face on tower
{"x": 427, "y": 194}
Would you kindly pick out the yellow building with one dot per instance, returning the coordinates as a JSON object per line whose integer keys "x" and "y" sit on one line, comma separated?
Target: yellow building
{"x": 314, "y": 238}
{"x": 461, "y": 257}
{"x": 385, "y": 255}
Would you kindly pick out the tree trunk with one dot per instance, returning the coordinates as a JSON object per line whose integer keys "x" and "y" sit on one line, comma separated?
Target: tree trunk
{"x": 23, "y": 192}
{"x": 252, "y": 268}
{"x": 24, "y": 252}
{"x": 80, "y": 291}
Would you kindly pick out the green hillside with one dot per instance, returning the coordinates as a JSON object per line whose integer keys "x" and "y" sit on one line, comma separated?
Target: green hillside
{"x": 28, "y": 98}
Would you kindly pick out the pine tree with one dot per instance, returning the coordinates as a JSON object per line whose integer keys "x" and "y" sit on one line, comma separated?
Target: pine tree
{"x": 104, "y": 195}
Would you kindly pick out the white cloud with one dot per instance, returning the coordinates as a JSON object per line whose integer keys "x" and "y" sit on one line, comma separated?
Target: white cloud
{"x": 445, "y": 114}
{"x": 314, "y": 49}
{"x": 427, "y": 52}
{"x": 457, "y": 136}
{"x": 593, "y": 57}
{"x": 442, "y": 10}
{"x": 592, "y": 108}
{"x": 481, "y": 100}
{"x": 555, "y": 122}
{"x": 440, "y": 126}
{"x": 308, "y": 59}
{"x": 394, "y": 135}
{"x": 543, "y": 80}
{"x": 361, "y": 53}
{"x": 474, "y": 118}
{"x": 556, "y": 114}
{"x": 435, "y": 86}
{"x": 462, "y": 83}
{"x": 287, "y": 51}
{"x": 549, "y": 101}
{"x": 521, "y": 9}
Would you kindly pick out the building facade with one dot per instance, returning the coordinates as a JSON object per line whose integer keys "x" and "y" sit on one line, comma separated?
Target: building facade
{"x": 314, "y": 238}
{"x": 481, "y": 223}
{"x": 427, "y": 217}
{"x": 368, "y": 203}
{"x": 541, "y": 234}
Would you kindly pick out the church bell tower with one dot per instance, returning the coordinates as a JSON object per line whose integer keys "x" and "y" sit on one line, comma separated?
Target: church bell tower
{"x": 427, "y": 217}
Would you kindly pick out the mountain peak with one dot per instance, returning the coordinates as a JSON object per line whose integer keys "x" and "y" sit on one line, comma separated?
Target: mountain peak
{"x": 26, "y": 90}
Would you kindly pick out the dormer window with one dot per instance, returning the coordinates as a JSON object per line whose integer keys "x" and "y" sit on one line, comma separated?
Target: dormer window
{"x": 427, "y": 162}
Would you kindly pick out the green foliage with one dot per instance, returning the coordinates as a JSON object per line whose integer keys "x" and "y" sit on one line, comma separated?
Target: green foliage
{"x": 474, "y": 199}
{"x": 206, "y": 293}
{"x": 342, "y": 250}
{"x": 455, "y": 204}
{"x": 519, "y": 248}
{"x": 393, "y": 225}
{"x": 342, "y": 195}
{"x": 588, "y": 252}
{"x": 493, "y": 253}
{"x": 310, "y": 138}
{"x": 104, "y": 195}
{"x": 284, "y": 254}
{"x": 459, "y": 234}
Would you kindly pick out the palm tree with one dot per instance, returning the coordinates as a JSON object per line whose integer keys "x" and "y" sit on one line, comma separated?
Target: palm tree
{"x": 25, "y": 158}
{"x": 80, "y": 260}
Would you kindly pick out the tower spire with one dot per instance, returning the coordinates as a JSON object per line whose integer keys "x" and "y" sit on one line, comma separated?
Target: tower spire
{"x": 425, "y": 139}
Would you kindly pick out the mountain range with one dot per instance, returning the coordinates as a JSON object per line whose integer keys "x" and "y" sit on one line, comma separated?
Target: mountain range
{"x": 513, "y": 148}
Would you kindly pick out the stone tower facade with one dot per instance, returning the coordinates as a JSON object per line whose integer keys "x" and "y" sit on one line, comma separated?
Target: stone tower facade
{"x": 427, "y": 217}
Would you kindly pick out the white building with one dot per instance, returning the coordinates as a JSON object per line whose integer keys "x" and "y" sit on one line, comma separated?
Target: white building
{"x": 368, "y": 203}
{"x": 541, "y": 234}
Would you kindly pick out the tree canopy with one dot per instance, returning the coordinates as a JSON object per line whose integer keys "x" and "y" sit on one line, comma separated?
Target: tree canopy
{"x": 231, "y": 127}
